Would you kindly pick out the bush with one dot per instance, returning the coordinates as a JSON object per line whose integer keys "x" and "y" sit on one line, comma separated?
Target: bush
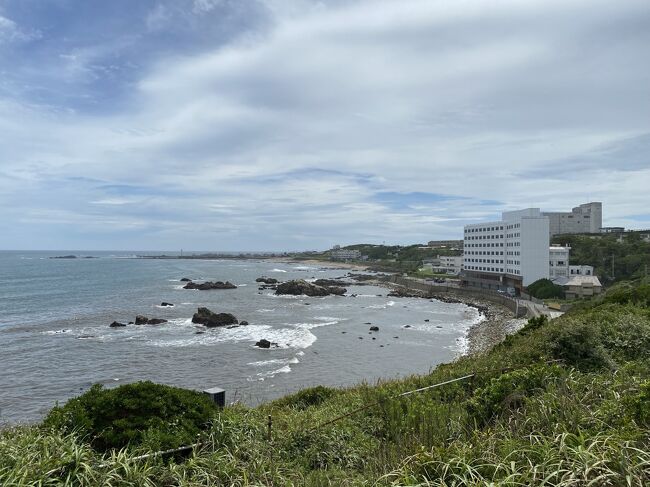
{"x": 545, "y": 289}
{"x": 142, "y": 413}
{"x": 312, "y": 396}
{"x": 579, "y": 345}
{"x": 508, "y": 392}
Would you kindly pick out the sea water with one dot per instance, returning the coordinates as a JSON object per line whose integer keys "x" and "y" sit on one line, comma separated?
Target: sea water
{"x": 55, "y": 339}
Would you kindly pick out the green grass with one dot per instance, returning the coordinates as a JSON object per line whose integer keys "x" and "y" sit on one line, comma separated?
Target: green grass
{"x": 523, "y": 419}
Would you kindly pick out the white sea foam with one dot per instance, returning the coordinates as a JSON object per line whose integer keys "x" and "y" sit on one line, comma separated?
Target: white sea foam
{"x": 283, "y": 361}
{"x": 390, "y": 303}
{"x": 272, "y": 373}
{"x": 265, "y": 310}
{"x": 278, "y": 270}
{"x": 163, "y": 307}
{"x": 242, "y": 285}
{"x": 304, "y": 268}
{"x": 56, "y": 332}
{"x": 295, "y": 337}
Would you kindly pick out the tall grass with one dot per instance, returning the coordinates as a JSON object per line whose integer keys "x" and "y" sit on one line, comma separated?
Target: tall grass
{"x": 520, "y": 421}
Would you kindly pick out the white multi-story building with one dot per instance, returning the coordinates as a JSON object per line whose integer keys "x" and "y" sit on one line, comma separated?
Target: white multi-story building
{"x": 558, "y": 261}
{"x": 581, "y": 270}
{"x": 337, "y": 253}
{"x": 586, "y": 218}
{"x": 510, "y": 253}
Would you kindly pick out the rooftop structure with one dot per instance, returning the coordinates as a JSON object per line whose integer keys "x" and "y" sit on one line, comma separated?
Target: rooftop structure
{"x": 586, "y": 218}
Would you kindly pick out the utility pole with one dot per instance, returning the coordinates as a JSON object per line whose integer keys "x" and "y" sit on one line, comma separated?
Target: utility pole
{"x": 612, "y": 266}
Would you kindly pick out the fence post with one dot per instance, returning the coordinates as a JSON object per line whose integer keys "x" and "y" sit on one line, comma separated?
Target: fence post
{"x": 270, "y": 425}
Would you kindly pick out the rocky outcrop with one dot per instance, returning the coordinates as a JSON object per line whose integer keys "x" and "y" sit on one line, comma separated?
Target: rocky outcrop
{"x": 243, "y": 323}
{"x": 166, "y": 304}
{"x": 209, "y": 285}
{"x": 330, "y": 282}
{"x": 266, "y": 280}
{"x": 204, "y": 316}
{"x": 374, "y": 328}
{"x": 404, "y": 293}
{"x": 263, "y": 343}
{"x": 143, "y": 320}
{"x": 116, "y": 324}
{"x": 186, "y": 279}
{"x": 301, "y": 287}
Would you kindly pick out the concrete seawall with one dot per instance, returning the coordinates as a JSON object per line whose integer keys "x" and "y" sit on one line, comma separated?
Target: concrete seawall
{"x": 496, "y": 298}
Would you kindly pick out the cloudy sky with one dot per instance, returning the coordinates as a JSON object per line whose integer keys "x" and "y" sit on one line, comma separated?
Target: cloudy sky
{"x": 298, "y": 124}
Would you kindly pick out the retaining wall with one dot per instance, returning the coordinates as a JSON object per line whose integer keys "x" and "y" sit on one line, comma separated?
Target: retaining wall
{"x": 493, "y": 297}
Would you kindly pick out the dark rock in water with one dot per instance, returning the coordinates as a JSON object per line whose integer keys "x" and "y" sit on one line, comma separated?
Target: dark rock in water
{"x": 266, "y": 280}
{"x": 406, "y": 326}
{"x": 426, "y": 321}
{"x": 301, "y": 287}
{"x": 395, "y": 337}
{"x": 143, "y": 320}
{"x": 165, "y": 303}
{"x": 438, "y": 326}
{"x": 232, "y": 326}
{"x": 263, "y": 343}
{"x": 374, "y": 338}
{"x": 64, "y": 257}
{"x": 330, "y": 283}
{"x": 374, "y": 328}
{"x": 368, "y": 323}
{"x": 204, "y": 316}
{"x": 360, "y": 338}
{"x": 243, "y": 323}
{"x": 156, "y": 321}
{"x": 186, "y": 279}
{"x": 115, "y": 324}
{"x": 403, "y": 293}
{"x": 85, "y": 337}
{"x": 199, "y": 332}
{"x": 209, "y": 285}
{"x": 307, "y": 304}
{"x": 130, "y": 322}
{"x": 344, "y": 332}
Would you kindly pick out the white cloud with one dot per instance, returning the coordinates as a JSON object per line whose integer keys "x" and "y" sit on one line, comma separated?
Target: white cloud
{"x": 437, "y": 97}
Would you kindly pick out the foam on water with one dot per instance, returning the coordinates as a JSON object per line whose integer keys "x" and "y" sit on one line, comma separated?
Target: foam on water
{"x": 278, "y": 270}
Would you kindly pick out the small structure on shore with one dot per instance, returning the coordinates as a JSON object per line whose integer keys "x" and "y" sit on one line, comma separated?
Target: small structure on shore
{"x": 217, "y": 395}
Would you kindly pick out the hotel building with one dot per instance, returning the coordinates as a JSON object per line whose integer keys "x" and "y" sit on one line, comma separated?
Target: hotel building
{"x": 507, "y": 254}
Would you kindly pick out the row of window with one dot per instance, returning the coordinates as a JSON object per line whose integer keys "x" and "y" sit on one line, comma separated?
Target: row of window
{"x": 513, "y": 235}
{"x": 513, "y": 244}
{"x": 513, "y": 252}
{"x": 488, "y": 269}
{"x": 486, "y": 261}
{"x": 484, "y": 252}
{"x": 483, "y": 229}
{"x": 514, "y": 262}
{"x": 514, "y": 225}
{"x": 484, "y": 237}
{"x": 494, "y": 244}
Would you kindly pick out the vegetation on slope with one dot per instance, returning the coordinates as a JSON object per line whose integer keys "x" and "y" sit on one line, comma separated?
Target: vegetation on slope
{"x": 565, "y": 402}
{"x": 545, "y": 289}
{"x": 612, "y": 260}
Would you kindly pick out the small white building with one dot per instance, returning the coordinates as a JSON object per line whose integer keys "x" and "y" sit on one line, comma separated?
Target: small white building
{"x": 344, "y": 254}
{"x": 558, "y": 261}
{"x": 581, "y": 270}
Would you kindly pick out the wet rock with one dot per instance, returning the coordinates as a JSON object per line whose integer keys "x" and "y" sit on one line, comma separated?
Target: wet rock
{"x": 186, "y": 279}
{"x": 263, "y": 343}
{"x": 330, "y": 283}
{"x": 243, "y": 323}
{"x": 204, "y": 316}
{"x": 166, "y": 304}
{"x": 209, "y": 285}
{"x": 426, "y": 321}
{"x": 406, "y": 326}
{"x": 374, "y": 328}
{"x": 301, "y": 287}
{"x": 266, "y": 280}
{"x": 143, "y": 320}
{"x": 116, "y": 324}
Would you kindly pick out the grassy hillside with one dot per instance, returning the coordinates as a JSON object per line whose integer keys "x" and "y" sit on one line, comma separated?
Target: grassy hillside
{"x": 629, "y": 257}
{"x": 564, "y": 403}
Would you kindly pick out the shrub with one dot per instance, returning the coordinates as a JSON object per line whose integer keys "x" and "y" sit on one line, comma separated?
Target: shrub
{"x": 545, "y": 289}
{"x": 509, "y": 391}
{"x": 312, "y": 396}
{"x": 578, "y": 344}
{"x": 154, "y": 415}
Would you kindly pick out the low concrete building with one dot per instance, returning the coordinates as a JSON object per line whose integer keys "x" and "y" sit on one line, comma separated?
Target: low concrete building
{"x": 445, "y": 244}
{"x": 337, "y": 253}
{"x": 580, "y": 286}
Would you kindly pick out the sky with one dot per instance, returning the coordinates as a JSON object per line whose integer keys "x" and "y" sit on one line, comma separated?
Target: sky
{"x": 300, "y": 124}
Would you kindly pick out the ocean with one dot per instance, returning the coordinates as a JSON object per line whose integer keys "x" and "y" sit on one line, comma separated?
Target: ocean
{"x": 55, "y": 339}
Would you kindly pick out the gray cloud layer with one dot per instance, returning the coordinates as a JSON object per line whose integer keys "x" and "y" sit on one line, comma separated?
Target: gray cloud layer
{"x": 290, "y": 133}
